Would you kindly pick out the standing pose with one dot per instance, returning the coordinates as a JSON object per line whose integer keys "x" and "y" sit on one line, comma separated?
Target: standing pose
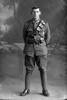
{"x": 36, "y": 35}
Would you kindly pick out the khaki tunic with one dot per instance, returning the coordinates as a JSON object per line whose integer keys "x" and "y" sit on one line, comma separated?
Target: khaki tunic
{"x": 32, "y": 49}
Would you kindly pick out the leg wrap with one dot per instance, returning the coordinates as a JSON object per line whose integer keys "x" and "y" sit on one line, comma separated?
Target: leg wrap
{"x": 43, "y": 78}
{"x": 27, "y": 79}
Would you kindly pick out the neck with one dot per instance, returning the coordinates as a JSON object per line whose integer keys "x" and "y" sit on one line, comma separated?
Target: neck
{"x": 38, "y": 19}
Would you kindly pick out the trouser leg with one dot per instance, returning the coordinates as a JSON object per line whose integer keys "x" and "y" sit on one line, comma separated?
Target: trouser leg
{"x": 30, "y": 64}
{"x": 42, "y": 64}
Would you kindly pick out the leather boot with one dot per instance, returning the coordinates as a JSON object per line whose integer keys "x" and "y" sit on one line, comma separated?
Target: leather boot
{"x": 25, "y": 92}
{"x": 43, "y": 82}
{"x": 45, "y": 92}
{"x": 27, "y": 83}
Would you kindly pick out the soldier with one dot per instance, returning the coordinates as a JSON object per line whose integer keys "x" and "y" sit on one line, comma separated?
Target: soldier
{"x": 36, "y": 35}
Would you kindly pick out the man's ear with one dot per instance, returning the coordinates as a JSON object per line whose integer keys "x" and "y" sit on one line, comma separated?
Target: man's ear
{"x": 40, "y": 12}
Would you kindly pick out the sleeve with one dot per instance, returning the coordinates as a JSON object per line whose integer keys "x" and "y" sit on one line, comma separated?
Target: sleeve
{"x": 25, "y": 32}
{"x": 47, "y": 35}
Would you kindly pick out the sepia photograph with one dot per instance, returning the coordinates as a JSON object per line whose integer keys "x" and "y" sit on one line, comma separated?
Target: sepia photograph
{"x": 33, "y": 49}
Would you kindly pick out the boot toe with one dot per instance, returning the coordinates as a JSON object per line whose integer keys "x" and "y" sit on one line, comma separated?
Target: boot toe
{"x": 45, "y": 93}
{"x": 25, "y": 92}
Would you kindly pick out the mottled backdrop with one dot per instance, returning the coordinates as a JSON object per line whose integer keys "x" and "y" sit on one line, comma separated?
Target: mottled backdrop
{"x": 13, "y": 14}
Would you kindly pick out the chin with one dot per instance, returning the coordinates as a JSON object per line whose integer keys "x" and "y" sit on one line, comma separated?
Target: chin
{"x": 35, "y": 18}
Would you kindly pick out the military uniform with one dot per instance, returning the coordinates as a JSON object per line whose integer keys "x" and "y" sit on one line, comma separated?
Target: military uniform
{"x": 36, "y": 36}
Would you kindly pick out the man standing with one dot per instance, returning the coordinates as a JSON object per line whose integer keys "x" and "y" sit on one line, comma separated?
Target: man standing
{"x": 36, "y": 35}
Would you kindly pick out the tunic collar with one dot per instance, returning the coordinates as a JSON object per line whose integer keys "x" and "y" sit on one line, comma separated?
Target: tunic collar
{"x": 36, "y": 21}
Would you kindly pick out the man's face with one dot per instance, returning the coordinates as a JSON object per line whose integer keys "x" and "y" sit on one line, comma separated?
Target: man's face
{"x": 36, "y": 13}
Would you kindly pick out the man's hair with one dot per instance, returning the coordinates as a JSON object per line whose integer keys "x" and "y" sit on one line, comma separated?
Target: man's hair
{"x": 35, "y": 7}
